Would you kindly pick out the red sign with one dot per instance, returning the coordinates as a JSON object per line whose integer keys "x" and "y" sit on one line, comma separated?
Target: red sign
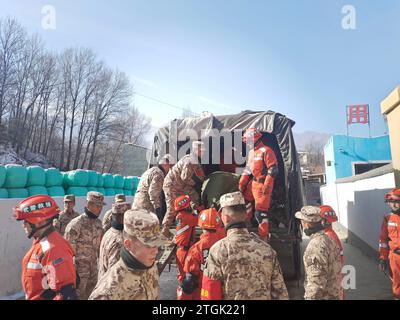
{"x": 358, "y": 114}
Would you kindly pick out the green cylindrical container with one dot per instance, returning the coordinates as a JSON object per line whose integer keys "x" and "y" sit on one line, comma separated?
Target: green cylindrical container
{"x": 21, "y": 193}
{"x": 34, "y": 190}
{"x": 100, "y": 180}
{"x": 36, "y": 176}
{"x": 3, "y": 193}
{"x": 77, "y": 191}
{"x": 3, "y": 174}
{"x": 129, "y": 183}
{"x": 54, "y": 178}
{"x": 56, "y": 191}
{"x": 136, "y": 182}
{"x": 102, "y": 191}
{"x": 118, "y": 181}
{"x": 16, "y": 176}
{"x": 92, "y": 189}
{"x": 109, "y": 192}
{"x": 93, "y": 178}
{"x": 108, "y": 181}
{"x": 119, "y": 191}
{"x": 78, "y": 178}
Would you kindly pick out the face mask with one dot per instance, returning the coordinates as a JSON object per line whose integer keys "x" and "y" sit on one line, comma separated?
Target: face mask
{"x": 310, "y": 231}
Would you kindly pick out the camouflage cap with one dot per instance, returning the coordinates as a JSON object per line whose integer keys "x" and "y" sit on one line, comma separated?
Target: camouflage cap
{"x": 231, "y": 199}
{"x": 69, "y": 198}
{"x": 120, "y": 197}
{"x": 95, "y": 197}
{"x": 145, "y": 226}
{"x": 309, "y": 214}
{"x": 119, "y": 208}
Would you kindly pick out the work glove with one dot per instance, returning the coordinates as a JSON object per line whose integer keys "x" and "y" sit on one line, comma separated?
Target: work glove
{"x": 383, "y": 265}
{"x": 260, "y": 216}
{"x": 190, "y": 283}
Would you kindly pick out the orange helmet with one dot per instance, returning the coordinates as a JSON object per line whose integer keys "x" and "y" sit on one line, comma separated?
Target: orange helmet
{"x": 182, "y": 203}
{"x": 252, "y": 134}
{"x": 36, "y": 209}
{"x": 209, "y": 219}
{"x": 393, "y": 196}
{"x": 328, "y": 214}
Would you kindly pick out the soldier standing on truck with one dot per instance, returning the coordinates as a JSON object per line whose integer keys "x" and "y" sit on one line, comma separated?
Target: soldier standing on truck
{"x": 186, "y": 177}
{"x": 389, "y": 244}
{"x": 67, "y": 215}
{"x": 108, "y": 215}
{"x": 148, "y": 194}
{"x": 84, "y": 233}
{"x": 262, "y": 168}
{"x": 241, "y": 266}
{"x": 322, "y": 266}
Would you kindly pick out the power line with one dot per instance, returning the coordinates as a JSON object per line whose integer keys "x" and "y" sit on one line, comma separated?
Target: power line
{"x": 168, "y": 104}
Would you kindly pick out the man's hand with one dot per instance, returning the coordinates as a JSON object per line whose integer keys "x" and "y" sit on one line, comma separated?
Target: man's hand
{"x": 383, "y": 265}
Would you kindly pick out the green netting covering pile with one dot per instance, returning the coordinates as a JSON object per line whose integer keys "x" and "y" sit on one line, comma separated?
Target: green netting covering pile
{"x": 109, "y": 192}
{"x": 118, "y": 181}
{"x": 93, "y": 178}
{"x": 77, "y": 191}
{"x": 100, "y": 180}
{"x": 37, "y": 190}
{"x": 16, "y": 176}
{"x": 3, "y": 193}
{"x": 77, "y": 178}
{"x": 56, "y": 191}
{"x": 3, "y": 173}
{"x": 108, "y": 180}
{"x": 18, "y": 193}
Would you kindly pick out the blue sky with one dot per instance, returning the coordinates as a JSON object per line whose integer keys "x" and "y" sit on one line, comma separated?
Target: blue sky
{"x": 290, "y": 56}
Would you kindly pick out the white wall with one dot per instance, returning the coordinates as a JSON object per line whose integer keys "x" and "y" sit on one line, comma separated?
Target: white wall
{"x": 360, "y": 205}
{"x": 14, "y": 243}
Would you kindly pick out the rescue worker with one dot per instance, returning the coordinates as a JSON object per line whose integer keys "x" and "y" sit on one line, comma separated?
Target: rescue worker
{"x": 389, "y": 242}
{"x": 186, "y": 222}
{"x": 321, "y": 258}
{"x": 241, "y": 266}
{"x": 84, "y": 233}
{"x": 135, "y": 276}
{"x": 65, "y": 217}
{"x": 186, "y": 177}
{"x": 148, "y": 194}
{"x": 112, "y": 240}
{"x": 262, "y": 167}
{"x": 48, "y": 271}
{"x": 108, "y": 215}
{"x": 209, "y": 221}
{"x": 328, "y": 217}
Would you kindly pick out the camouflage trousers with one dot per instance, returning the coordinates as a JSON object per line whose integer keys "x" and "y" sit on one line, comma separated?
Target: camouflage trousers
{"x": 88, "y": 281}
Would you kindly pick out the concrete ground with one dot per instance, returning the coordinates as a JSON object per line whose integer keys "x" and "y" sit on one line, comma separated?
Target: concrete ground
{"x": 370, "y": 283}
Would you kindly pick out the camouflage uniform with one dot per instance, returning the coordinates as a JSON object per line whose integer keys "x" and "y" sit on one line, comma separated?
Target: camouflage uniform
{"x": 182, "y": 179}
{"x": 123, "y": 281}
{"x": 321, "y": 261}
{"x": 84, "y": 233}
{"x": 112, "y": 241}
{"x": 64, "y": 218}
{"x": 107, "y": 216}
{"x": 246, "y": 266}
{"x": 148, "y": 194}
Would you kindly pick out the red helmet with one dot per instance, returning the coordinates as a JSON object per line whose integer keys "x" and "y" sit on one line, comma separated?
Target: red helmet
{"x": 182, "y": 203}
{"x": 36, "y": 209}
{"x": 209, "y": 219}
{"x": 252, "y": 134}
{"x": 328, "y": 214}
{"x": 393, "y": 196}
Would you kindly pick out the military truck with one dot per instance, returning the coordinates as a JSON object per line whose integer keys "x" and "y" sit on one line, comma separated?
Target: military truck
{"x": 222, "y": 137}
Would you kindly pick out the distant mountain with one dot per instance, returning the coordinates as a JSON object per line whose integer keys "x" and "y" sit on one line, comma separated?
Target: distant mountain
{"x": 301, "y": 139}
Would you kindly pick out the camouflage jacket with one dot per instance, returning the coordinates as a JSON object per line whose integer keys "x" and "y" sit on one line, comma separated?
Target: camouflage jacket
{"x": 247, "y": 267}
{"x": 322, "y": 268}
{"x": 148, "y": 194}
{"x": 123, "y": 283}
{"x": 109, "y": 250}
{"x": 107, "y": 220}
{"x": 182, "y": 177}
{"x": 62, "y": 221}
{"x": 84, "y": 234}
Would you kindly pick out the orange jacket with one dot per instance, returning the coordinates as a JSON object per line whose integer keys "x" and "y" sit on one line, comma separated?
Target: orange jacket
{"x": 185, "y": 229}
{"x": 390, "y": 235}
{"x": 260, "y": 159}
{"x": 332, "y": 234}
{"x": 48, "y": 264}
{"x": 196, "y": 258}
